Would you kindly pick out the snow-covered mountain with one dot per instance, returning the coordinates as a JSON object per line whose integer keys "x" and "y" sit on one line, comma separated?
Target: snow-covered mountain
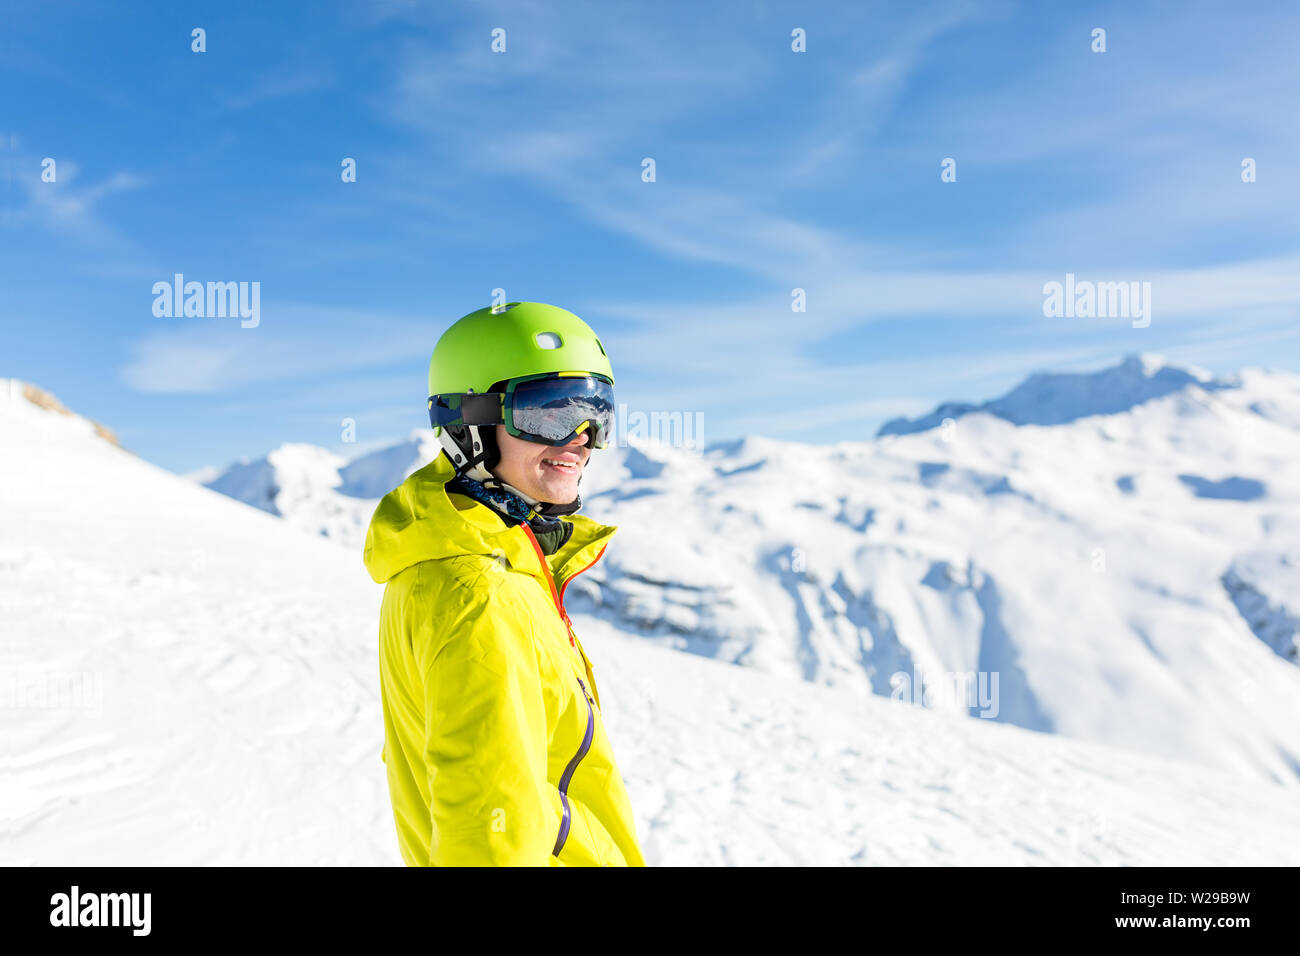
{"x": 318, "y": 490}
{"x": 1055, "y": 398}
{"x": 193, "y": 681}
{"x": 1118, "y": 547}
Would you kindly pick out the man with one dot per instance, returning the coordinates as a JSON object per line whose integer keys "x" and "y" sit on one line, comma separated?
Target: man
{"x": 494, "y": 745}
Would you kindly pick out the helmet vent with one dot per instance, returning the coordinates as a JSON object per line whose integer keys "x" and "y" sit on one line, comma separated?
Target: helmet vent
{"x": 549, "y": 340}
{"x": 602, "y": 348}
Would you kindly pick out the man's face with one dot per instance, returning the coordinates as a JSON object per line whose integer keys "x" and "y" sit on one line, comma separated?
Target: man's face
{"x": 548, "y": 473}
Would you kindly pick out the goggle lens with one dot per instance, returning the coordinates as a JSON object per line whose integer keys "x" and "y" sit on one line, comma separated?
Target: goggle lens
{"x": 554, "y": 411}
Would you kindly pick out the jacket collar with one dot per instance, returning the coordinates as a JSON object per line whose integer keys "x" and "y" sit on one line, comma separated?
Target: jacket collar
{"x": 419, "y": 521}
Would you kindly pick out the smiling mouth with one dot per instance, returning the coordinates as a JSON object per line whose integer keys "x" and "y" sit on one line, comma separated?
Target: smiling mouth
{"x": 562, "y": 465}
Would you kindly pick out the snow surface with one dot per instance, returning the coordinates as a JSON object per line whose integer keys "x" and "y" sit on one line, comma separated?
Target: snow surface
{"x": 193, "y": 681}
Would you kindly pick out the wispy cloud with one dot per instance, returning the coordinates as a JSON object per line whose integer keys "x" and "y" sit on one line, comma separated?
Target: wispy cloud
{"x": 68, "y": 207}
{"x": 292, "y": 342}
{"x": 852, "y": 105}
{"x": 837, "y": 303}
{"x": 282, "y": 82}
{"x": 591, "y": 157}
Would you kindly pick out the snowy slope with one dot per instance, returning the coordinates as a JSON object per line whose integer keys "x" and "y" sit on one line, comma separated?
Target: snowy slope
{"x": 194, "y": 681}
{"x": 1092, "y": 539}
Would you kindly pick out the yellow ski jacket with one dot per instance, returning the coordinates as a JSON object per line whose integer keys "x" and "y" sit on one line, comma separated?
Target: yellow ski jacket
{"x": 495, "y": 749}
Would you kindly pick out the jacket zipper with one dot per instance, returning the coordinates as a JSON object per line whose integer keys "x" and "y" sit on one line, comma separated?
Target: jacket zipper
{"x": 568, "y": 772}
{"x": 586, "y": 663}
{"x": 567, "y": 819}
{"x": 546, "y": 570}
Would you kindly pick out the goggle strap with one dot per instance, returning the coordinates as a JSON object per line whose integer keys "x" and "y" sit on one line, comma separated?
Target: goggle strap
{"x": 484, "y": 409}
{"x": 470, "y": 408}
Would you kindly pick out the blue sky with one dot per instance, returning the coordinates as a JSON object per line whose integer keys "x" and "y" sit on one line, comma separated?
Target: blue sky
{"x": 521, "y": 170}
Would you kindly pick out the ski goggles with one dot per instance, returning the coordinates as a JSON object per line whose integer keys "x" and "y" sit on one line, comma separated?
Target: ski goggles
{"x": 552, "y": 408}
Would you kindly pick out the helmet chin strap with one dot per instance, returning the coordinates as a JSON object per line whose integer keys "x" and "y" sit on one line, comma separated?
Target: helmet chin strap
{"x": 542, "y": 507}
{"x": 468, "y": 447}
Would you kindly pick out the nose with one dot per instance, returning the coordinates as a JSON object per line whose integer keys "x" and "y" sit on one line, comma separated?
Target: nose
{"x": 582, "y": 438}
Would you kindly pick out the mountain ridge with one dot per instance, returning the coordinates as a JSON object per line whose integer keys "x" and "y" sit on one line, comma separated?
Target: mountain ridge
{"x": 1057, "y": 398}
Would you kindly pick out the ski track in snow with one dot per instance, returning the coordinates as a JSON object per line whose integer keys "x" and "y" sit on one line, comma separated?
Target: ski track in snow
{"x": 237, "y": 718}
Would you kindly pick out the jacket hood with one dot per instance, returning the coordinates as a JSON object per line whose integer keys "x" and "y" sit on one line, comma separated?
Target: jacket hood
{"x": 418, "y": 521}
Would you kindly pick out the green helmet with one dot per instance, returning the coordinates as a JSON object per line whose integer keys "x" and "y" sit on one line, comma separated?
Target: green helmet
{"x": 494, "y": 345}
{"x": 522, "y": 338}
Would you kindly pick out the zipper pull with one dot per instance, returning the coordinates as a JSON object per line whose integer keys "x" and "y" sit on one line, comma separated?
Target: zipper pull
{"x": 584, "y": 691}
